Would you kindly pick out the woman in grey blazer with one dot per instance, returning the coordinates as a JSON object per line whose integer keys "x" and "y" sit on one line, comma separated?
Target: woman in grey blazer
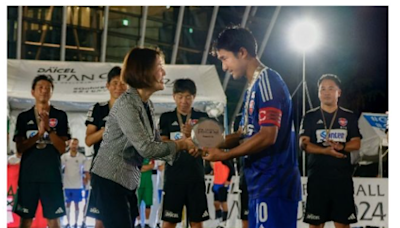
{"x": 130, "y": 135}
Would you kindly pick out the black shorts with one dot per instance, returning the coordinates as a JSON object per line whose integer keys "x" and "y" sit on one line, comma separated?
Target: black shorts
{"x": 113, "y": 204}
{"x": 244, "y": 201}
{"x": 193, "y": 195}
{"x": 330, "y": 200}
{"x": 220, "y": 193}
{"x": 50, "y": 195}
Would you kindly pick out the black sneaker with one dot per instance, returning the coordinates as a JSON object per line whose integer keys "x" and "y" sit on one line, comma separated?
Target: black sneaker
{"x": 67, "y": 226}
{"x": 146, "y": 226}
{"x": 83, "y": 225}
{"x": 138, "y": 226}
{"x": 76, "y": 225}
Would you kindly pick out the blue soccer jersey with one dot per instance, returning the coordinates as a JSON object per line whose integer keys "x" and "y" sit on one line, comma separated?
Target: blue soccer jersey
{"x": 274, "y": 171}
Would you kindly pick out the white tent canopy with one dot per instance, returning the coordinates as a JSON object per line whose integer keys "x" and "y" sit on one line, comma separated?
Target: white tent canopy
{"x": 372, "y": 128}
{"x": 78, "y": 85}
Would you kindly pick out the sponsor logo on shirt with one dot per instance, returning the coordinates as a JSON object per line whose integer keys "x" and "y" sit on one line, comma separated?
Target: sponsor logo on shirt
{"x": 193, "y": 122}
{"x": 30, "y": 122}
{"x": 336, "y": 135}
{"x": 175, "y": 123}
{"x": 31, "y": 133}
{"x": 175, "y": 135}
{"x": 251, "y": 107}
{"x": 53, "y": 122}
{"x": 343, "y": 122}
{"x": 320, "y": 121}
{"x": 205, "y": 214}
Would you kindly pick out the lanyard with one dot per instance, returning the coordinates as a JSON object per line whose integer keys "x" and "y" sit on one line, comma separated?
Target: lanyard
{"x": 330, "y": 126}
{"x": 256, "y": 75}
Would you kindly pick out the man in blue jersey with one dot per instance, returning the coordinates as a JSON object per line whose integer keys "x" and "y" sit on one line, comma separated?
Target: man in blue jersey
{"x": 267, "y": 134}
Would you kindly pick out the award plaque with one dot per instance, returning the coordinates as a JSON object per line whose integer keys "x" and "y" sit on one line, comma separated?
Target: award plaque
{"x": 207, "y": 133}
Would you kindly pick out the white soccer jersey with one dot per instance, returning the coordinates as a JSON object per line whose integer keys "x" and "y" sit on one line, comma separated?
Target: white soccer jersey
{"x": 73, "y": 170}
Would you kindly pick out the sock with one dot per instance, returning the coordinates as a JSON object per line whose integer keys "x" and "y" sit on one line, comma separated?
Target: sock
{"x": 218, "y": 214}
{"x": 224, "y": 215}
{"x": 146, "y": 221}
{"x": 68, "y": 211}
{"x": 76, "y": 216}
{"x": 137, "y": 221}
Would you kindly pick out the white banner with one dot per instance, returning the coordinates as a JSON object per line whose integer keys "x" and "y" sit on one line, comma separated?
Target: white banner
{"x": 370, "y": 195}
{"x": 85, "y": 82}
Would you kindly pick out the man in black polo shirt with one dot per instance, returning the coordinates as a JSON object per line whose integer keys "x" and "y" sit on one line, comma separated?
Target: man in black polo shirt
{"x": 96, "y": 122}
{"x": 184, "y": 180}
{"x": 329, "y": 134}
{"x": 40, "y": 135}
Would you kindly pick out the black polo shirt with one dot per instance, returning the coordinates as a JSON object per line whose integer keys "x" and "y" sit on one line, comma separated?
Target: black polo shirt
{"x": 97, "y": 116}
{"x": 345, "y": 127}
{"x": 186, "y": 168}
{"x": 41, "y": 165}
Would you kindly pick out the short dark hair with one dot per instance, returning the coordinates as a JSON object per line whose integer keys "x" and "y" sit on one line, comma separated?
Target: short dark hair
{"x": 233, "y": 38}
{"x": 42, "y": 77}
{"x": 184, "y": 85}
{"x": 332, "y": 77}
{"x": 114, "y": 72}
{"x": 138, "y": 67}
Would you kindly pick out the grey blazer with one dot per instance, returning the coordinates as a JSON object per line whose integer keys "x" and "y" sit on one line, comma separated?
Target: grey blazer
{"x": 127, "y": 139}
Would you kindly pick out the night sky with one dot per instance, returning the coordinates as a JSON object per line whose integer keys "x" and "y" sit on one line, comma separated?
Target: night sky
{"x": 354, "y": 47}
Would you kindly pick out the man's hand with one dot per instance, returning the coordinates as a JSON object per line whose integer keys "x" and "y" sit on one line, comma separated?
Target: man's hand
{"x": 187, "y": 130}
{"x": 332, "y": 152}
{"x": 44, "y": 116}
{"x": 213, "y": 154}
{"x": 336, "y": 145}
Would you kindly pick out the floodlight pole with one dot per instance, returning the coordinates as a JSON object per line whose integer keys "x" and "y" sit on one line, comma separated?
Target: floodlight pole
{"x": 304, "y": 106}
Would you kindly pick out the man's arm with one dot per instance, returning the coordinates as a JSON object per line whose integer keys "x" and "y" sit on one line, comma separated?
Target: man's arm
{"x": 232, "y": 140}
{"x": 93, "y": 135}
{"x": 58, "y": 141}
{"x": 350, "y": 146}
{"x": 309, "y": 147}
{"x": 24, "y": 144}
{"x": 263, "y": 139}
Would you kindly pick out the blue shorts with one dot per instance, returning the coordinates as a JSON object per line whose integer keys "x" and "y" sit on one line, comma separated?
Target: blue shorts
{"x": 73, "y": 195}
{"x": 272, "y": 213}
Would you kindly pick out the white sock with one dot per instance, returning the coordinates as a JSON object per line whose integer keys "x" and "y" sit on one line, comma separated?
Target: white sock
{"x": 137, "y": 222}
{"x": 76, "y": 216}
{"x": 147, "y": 221}
{"x": 68, "y": 211}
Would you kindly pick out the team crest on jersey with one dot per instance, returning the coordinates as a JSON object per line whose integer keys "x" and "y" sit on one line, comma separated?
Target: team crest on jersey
{"x": 251, "y": 107}
{"x": 193, "y": 122}
{"x": 343, "y": 122}
{"x": 53, "y": 122}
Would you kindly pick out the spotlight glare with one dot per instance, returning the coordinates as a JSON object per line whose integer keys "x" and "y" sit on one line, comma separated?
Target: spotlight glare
{"x": 304, "y": 35}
